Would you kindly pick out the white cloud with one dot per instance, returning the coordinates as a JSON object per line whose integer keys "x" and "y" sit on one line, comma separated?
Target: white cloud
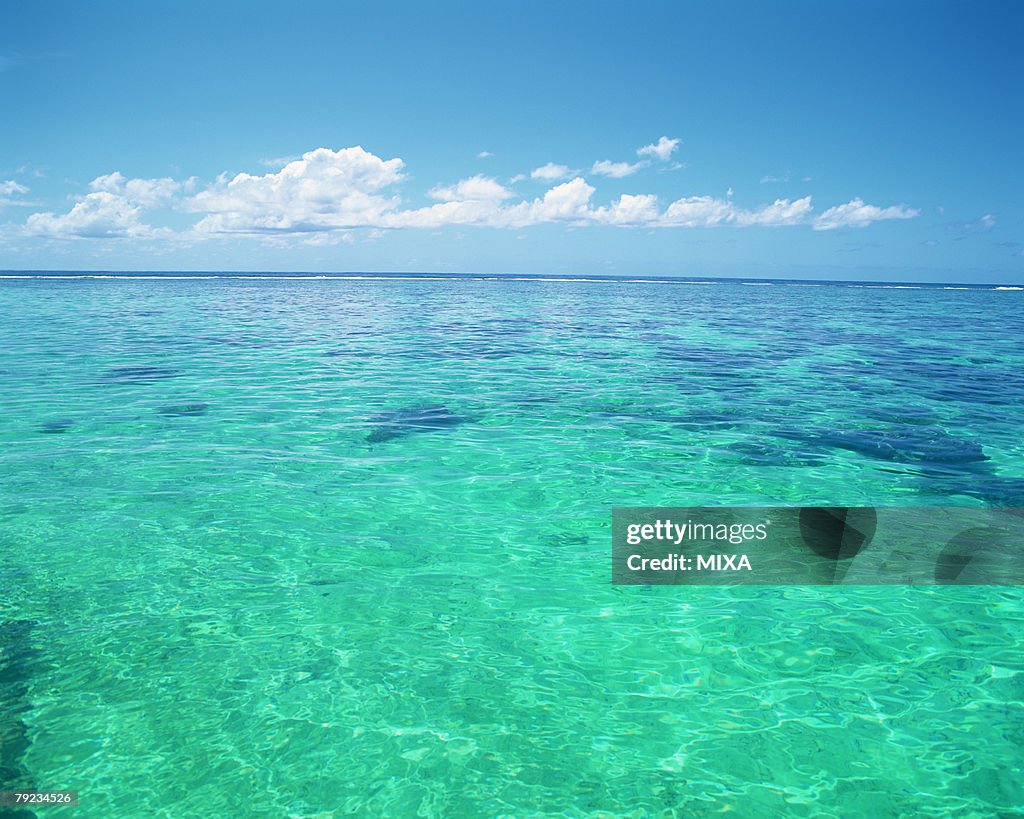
{"x": 455, "y": 212}
{"x": 567, "y": 202}
{"x": 660, "y": 150}
{"x": 112, "y": 209}
{"x": 484, "y": 155}
{"x": 698, "y": 211}
{"x": 617, "y": 170}
{"x": 570, "y": 203}
{"x": 550, "y": 172}
{"x": 473, "y": 189}
{"x": 324, "y": 190}
{"x": 630, "y": 210}
{"x": 983, "y": 223}
{"x": 706, "y": 211}
{"x": 325, "y": 194}
{"x": 326, "y": 239}
{"x": 11, "y": 187}
{"x": 148, "y": 193}
{"x": 474, "y": 201}
{"x": 856, "y": 213}
{"x": 768, "y": 180}
{"x": 100, "y": 215}
{"x": 10, "y": 191}
{"x": 278, "y": 162}
{"x": 780, "y": 212}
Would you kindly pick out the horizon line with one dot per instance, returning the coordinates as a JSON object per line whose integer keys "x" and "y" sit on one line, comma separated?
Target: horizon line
{"x": 14, "y": 273}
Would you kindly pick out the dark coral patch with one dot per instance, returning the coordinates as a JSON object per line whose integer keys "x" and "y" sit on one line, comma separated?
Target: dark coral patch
{"x": 140, "y": 375}
{"x": 898, "y": 443}
{"x": 183, "y": 410}
{"x": 57, "y": 427}
{"x": 409, "y": 420}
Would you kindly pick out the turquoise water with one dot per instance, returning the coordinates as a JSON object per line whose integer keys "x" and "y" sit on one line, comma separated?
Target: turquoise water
{"x": 331, "y": 547}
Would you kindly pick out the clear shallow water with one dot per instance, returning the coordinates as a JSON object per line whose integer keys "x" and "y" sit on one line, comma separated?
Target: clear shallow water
{"x": 236, "y": 582}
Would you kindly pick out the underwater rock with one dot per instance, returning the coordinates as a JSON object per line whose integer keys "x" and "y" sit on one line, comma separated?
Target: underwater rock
{"x": 57, "y": 427}
{"x": 183, "y": 410}
{"x": 904, "y": 443}
{"x": 591, "y": 355}
{"x": 140, "y": 375}
{"x": 761, "y": 453}
{"x": 713, "y": 419}
{"x": 695, "y": 420}
{"x": 564, "y": 539}
{"x": 16, "y": 659}
{"x": 717, "y": 360}
{"x": 903, "y": 415}
{"x": 995, "y": 490}
{"x": 460, "y": 352}
{"x": 530, "y": 399}
{"x": 408, "y": 420}
{"x": 996, "y": 395}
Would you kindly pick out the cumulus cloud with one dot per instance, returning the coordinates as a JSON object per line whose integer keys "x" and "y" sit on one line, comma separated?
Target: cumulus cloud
{"x": 856, "y": 213}
{"x": 630, "y": 210}
{"x": 484, "y": 155}
{"x": 698, "y": 211}
{"x": 148, "y": 193}
{"x": 325, "y": 194}
{"x": 112, "y": 209}
{"x": 707, "y": 211}
{"x": 474, "y": 201}
{"x": 617, "y": 170}
{"x": 100, "y": 215}
{"x": 277, "y": 162}
{"x": 780, "y": 212}
{"x": 660, "y": 150}
{"x": 473, "y": 189}
{"x": 324, "y": 190}
{"x": 550, "y": 172}
{"x": 568, "y": 202}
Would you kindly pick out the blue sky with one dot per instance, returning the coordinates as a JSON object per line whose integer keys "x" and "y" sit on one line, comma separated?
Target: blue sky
{"x": 803, "y": 139}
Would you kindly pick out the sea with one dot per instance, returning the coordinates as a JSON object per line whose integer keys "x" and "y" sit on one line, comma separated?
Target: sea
{"x": 315, "y": 546}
